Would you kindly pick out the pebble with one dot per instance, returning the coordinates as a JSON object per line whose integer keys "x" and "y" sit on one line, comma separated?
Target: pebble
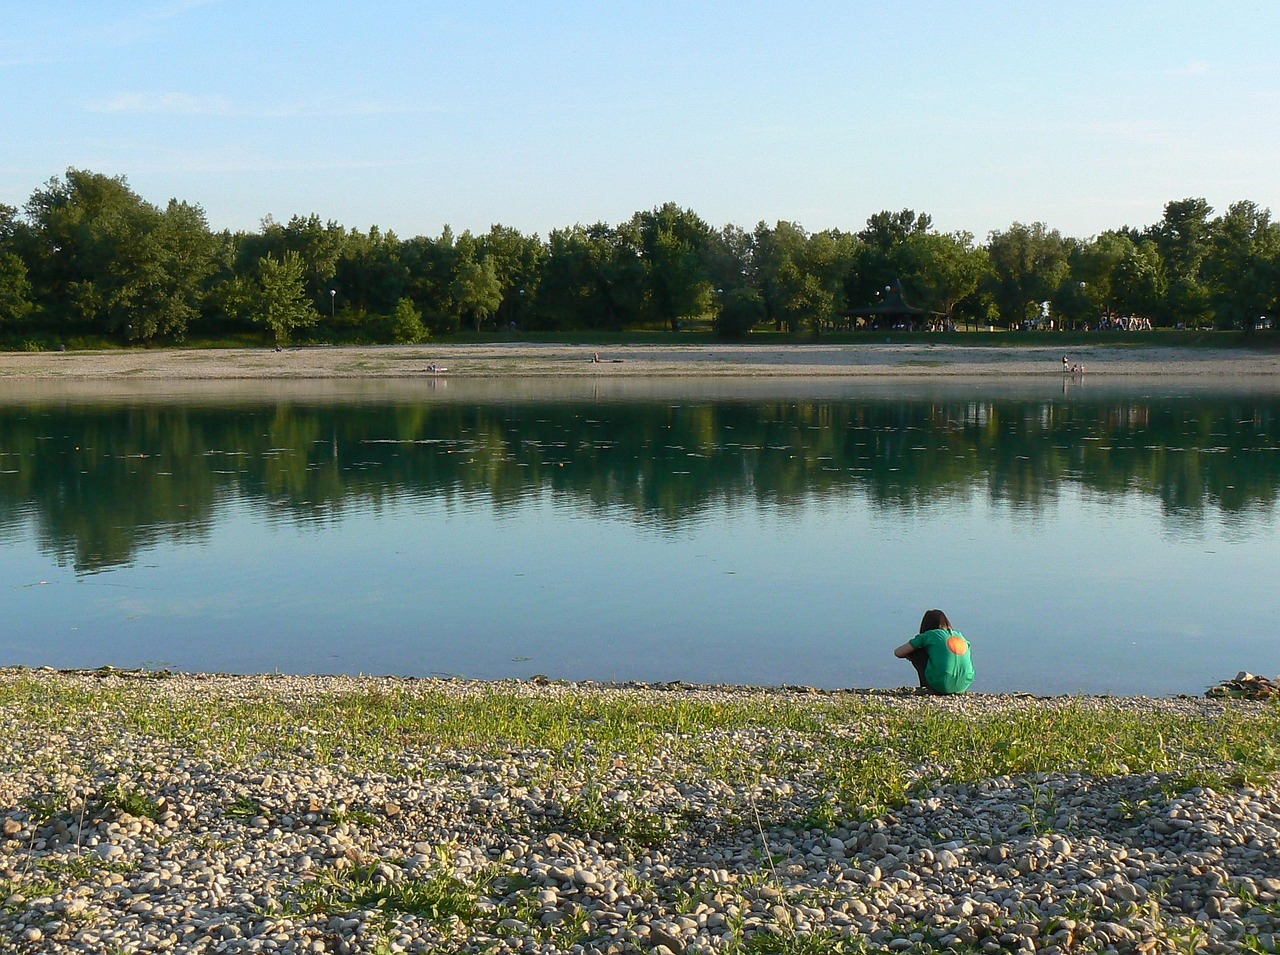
{"x": 957, "y": 865}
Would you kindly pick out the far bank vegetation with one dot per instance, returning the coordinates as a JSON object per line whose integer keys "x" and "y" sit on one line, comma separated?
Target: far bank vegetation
{"x": 87, "y": 262}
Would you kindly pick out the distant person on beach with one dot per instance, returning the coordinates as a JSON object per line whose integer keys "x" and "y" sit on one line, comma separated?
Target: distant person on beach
{"x": 940, "y": 655}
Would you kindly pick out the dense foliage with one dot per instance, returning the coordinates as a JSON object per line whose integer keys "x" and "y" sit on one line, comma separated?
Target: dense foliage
{"x": 87, "y": 259}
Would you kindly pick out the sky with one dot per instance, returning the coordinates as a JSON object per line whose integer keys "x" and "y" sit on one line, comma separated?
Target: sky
{"x": 413, "y": 114}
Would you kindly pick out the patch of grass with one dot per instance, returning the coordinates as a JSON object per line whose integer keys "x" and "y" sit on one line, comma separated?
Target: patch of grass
{"x": 439, "y": 897}
{"x": 129, "y": 799}
{"x": 14, "y": 893}
{"x": 244, "y": 807}
{"x": 85, "y": 866}
{"x": 45, "y": 807}
{"x": 359, "y": 817}
{"x": 825, "y": 942}
{"x": 624, "y": 823}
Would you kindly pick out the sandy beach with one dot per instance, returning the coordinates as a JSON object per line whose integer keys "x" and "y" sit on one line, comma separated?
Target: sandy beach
{"x": 533, "y": 360}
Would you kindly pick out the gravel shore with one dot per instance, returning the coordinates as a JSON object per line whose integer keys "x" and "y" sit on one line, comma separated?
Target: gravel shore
{"x": 129, "y": 833}
{"x": 506, "y": 360}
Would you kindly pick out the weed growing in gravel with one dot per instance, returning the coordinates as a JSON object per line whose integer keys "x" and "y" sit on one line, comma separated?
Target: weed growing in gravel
{"x": 45, "y": 807}
{"x": 359, "y": 817}
{"x": 437, "y": 897}
{"x": 1251, "y": 943}
{"x": 14, "y": 893}
{"x": 126, "y": 798}
{"x": 244, "y": 807}
{"x": 1041, "y": 810}
{"x": 85, "y": 866}
{"x": 1137, "y": 811}
{"x": 827, "y": 942}
{"x": 624, "y": 823}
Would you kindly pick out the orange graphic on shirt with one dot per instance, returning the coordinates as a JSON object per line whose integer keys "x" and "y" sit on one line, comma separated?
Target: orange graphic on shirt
{"x": 957, "y": 644}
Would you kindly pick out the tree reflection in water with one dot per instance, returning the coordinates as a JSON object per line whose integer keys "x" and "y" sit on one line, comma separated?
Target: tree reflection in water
{"x": 96, "y": 482}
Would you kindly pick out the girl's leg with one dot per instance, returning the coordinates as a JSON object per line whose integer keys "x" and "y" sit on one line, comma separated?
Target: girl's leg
{"x": 920, "y": 659}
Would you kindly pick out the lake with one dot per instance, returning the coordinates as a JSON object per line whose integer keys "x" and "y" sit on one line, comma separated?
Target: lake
{"x": 1108, "y": 538}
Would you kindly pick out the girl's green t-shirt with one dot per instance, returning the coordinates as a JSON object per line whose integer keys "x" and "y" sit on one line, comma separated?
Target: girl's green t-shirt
{"x": 950, "y": 668}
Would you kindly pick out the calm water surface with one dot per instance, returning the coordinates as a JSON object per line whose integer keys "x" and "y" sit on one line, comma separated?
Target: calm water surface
{"x": 1092, "y": 539}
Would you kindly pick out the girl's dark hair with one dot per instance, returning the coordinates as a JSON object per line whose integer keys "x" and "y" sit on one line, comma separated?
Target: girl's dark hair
{"x": 934, "y": 620}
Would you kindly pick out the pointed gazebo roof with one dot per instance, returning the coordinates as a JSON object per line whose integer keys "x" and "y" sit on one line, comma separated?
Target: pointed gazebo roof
{"x": 892, "y": 304}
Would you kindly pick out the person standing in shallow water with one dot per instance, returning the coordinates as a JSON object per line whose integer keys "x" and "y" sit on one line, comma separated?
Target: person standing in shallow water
{"x": 940, "y": 655}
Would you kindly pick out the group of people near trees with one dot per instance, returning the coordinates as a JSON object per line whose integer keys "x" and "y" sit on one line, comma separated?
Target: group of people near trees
{"x": 87, "y": 258}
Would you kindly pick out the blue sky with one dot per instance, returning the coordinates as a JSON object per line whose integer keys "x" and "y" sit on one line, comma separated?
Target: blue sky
{"x": 410, "y": 115}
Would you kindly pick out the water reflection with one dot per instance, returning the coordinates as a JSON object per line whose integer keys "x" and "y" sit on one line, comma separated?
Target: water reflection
{"x": 99, "y": 482}
{"x": 780, "y": 533}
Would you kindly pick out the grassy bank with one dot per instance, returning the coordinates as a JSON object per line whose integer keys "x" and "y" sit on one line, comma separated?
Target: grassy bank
{"x": 871, "y": 751}
{"x": 200, "y": 814}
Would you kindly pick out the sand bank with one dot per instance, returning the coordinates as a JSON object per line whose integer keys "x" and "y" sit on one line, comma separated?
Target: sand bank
{"x": 532, "y": 360}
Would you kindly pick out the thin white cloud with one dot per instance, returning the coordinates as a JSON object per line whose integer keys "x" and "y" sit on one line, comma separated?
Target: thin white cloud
{"x": 143, "y": 25}
{"x": 234, "y": 165}
{"x": 58, "y": 43}
{"x": 32, "y": 60}
{"x": 183, "y": 104}
{"x": 187, "y": 104}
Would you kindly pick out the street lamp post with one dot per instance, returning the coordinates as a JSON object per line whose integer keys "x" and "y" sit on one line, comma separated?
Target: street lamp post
{"x": 333, "y": 297}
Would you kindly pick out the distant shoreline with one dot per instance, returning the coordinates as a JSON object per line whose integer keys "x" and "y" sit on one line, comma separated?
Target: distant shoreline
{"x": 536, "y": 360}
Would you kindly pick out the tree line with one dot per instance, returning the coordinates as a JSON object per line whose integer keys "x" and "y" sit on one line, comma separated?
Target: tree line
{"x": 87, "y": 259}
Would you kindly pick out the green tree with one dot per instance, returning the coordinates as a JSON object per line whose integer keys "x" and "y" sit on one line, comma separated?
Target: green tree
{"x": 1093, "y": 270}
{"x": 806, "y": 303}
{"x": 406, "y": 323}
{"x": 15, "y": 288}
{"x": 940, "y": 271}
{"x": 15, "y": 285}
{"x": 428, "y": 264}
{"x": 282, "y": 304}
{"x": 1140, "y": 282}
{"x": 1240, "y": 266}
{"x": 188, "y": 262}
{"x": 318, "y": 244}
{"x": 741, "y": 309}
{"x": 594, "y": 277}
{"x": 518, "y": 261}
{"x": 1028, "y": 263}
{"x": 369, "y": 277}
{"x": 880, "y": 257}
{"x": 729, "y": 259}
{"x": 111, "y": 262}
{"x": 1183, "y": 238}
{"x": 476, "y": 287}
{"x": 674, "y": 245}
{"x": 825, "y": 260}
{"x": 773, "y": 249}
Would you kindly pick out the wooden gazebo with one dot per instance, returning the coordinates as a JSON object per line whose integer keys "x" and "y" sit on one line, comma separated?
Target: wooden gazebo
{"x": 892, "y": 308}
